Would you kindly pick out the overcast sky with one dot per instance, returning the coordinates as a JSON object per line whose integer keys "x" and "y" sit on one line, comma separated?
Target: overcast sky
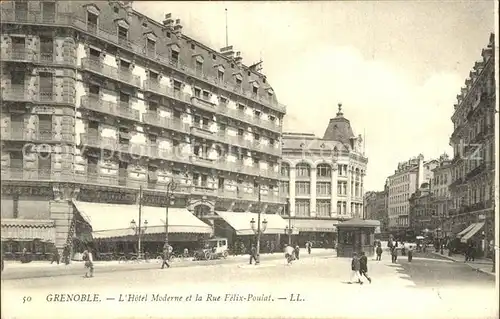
{"x": 395, "y": 66}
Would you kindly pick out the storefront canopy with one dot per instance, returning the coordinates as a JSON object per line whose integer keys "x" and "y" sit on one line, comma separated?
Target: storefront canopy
{"x": 111, "y": 220}
{"x": 475, "y": 228}
{"x": 315, "y": 225}
{"x": 240, "y": 222}
{"x": 466, "y": 230}
{"x": 28, "y": 230}
{"x": 359, "y": 223}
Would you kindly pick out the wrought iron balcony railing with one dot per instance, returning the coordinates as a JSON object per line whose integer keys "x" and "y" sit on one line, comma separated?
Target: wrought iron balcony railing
{"x": 95, "y": 104}
{"x": 154, "y": 119}
{"x": 36, "y": 136}
{"x": 121, "y": 75}
{"x": 22, "y": 93}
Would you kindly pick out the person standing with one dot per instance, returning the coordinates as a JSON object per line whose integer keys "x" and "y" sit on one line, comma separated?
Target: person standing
{"x": 363, "y": 266}
{"x": 167, "y": 250}
{"x": 297, "y": 252}
{"x": 253, "y": 255}
{"x": 379, "y": 252}
{"x": 355, "y": 266}
{"x": 55, "y": 256}
{"x": 309, "y": 246}
{"x": 89, "y": 263}
{"x": 289, "y": 253}
{"x": 66, "y": 253}
{"x": 394, "y": 254}
{"x": 410, "y": 253}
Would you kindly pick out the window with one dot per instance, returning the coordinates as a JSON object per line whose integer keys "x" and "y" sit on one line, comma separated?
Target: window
{"x": 95, "y": 53}
{"x": 124, "y": 99}
{"x": 153, "y": 75}
{"x": 238, "y": 82}
{"x": 197, "y": 92}
{"x": 214, "y": 57}
{"x": 199, "y": 67}
{"x": 232, "y": 65}
{"x": 272, "y": 118}
{"x": 122, "y": 33}
{"x": 94, "y": 90}
{"x": 323, "y": 188}
{"x": 46, "y": 85}
{"x": 177, "y": 85}
{"x": 323, "y": 208}
{"x": 124, "y": 65}
{"x": 271, "y": 142}
{"x": 303, "y": 170}
{"x": 241, "y": 107}
{"x": 256, "y": 137}
{"x": 339, "y": 207}
{"x": 91, "y": 22}
{"x": 168, "y": 34}
{"x": 206, "y": 95}
{"x": 302, "y": 207}
{"x": 145, "y": 24}
{"x": 285, "y": 170}
{"x": 153, "y": 106}
{"x": 255, "y": 90}
{"x": 284, "y": 188}
{"x": 302, "y": 188}
{"x": 116, "y": 10}
{"x": 151, "y": 47}
{"x": 223, "y": 100}
{"x": 323, "y": 170}
{"x": 174, "y": 55}
{"x": 240, "y": 132}
{"x": 205, "y": 121}
{"x": 221, "y": 127}
{"x": 177, "y": 114}
{"x": 257, "y": 113}
{"x": 220, "y": 76}
{"x": 192, "y": 46}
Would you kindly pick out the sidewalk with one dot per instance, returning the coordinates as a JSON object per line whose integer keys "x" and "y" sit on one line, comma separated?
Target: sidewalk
{"x": 37, "y": 269}
{"x": 480, "y": 264}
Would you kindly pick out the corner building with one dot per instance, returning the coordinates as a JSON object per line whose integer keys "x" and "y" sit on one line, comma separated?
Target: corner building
{"x": 323, "y": 178}
{"x": 99, "y": 101}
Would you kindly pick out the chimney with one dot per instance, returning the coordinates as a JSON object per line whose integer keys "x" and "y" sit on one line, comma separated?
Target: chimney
{"x": 463, "y": 91}
{"x": 168, "y": 22}
{"x": 492, "y": 41}
{"x": 238, "y": 59}
{"x": 228, "y": 52}
{"x": 178, "y": 27}
{"x": 420, "y": 176}
{"x": 478, "y": 66}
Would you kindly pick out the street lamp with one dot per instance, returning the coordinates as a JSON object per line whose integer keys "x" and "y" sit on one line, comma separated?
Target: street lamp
{"x": 138, "y": 231}
{"x": 171, "y": 186}
{"x": 289, "y": 229}
{"x": 258, "y": 231}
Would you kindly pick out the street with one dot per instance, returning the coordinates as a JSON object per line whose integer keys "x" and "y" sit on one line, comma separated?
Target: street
{"x": 311, "y": 287}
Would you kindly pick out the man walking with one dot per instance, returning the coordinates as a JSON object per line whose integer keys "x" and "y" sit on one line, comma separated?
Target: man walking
{"x": 253, "y": 255}
{"x": 309, "y": 246}
{"x": 379, "y": 252}
{"x": 355, "y": 266}
{"x": 297, "y": 252}
{"x": 88, "y": 258}
{"x": 363, "y": 266}
{"x": 167, "y": 250}
{"x": 394, "y": 254}
{"x": 410, "y": 253}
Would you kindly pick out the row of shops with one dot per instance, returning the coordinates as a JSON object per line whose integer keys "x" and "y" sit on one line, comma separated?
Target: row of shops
{"x": 112, "y": 230}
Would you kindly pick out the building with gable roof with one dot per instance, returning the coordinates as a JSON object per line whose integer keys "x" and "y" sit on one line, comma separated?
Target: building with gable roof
{"x": 323, "y": 177}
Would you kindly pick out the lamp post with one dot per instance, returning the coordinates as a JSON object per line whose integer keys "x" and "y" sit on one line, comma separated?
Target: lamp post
{"x": 139, "y": 231}
{"x": 260, "y": 229}
{"x": 289, "y": 229}
{"x": 171, "y": 186}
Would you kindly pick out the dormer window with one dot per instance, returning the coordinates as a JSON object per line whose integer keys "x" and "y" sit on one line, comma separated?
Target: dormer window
{"x": 241, "y": 107}
{"x": 151, "y": 46}
{"x": 122, "y": 33}
{"x": 92, "y": 21}
{"x": 257, "y": 113}
{"x": 174, "y": 56}
{"x": 153, "y": 75}
{"x": 167, "y": 34}
{"x": 255, "y": 90}
{"x": 145, "y": 24}
{"x": 220, "y": 75}
{"x": 256, "y": 137}
{"x": 177, "y": 85}
{"x": 238, "y": 82}
{"x": 222, "y": 100}
{"x": 199, "y": 67}
{"x": 214, "y": 57}
{"x": 193, "y": 46}
{"x": 206, "y": 95}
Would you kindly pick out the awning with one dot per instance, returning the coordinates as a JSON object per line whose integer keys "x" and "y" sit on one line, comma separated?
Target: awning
{"x": 476, "y": 227}
{"x": 28, "y": 230}
{"x": 240, "y": 222}
{"x": 110, "y": 220}
{"x": 465, "y": 231}
{"x": 315, "y": 225}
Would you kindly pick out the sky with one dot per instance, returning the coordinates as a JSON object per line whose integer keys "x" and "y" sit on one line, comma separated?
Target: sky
{"x": 396, "y": 66}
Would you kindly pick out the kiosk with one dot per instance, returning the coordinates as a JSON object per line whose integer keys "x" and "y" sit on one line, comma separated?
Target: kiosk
{"x": 356, "y": 235}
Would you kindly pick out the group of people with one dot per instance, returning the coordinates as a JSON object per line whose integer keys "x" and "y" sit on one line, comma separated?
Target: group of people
{"x": 292, "y": 253}
{"x": 359, "y": 268}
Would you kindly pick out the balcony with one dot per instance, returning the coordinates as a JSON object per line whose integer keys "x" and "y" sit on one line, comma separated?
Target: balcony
{"x": 164, "y": 90}
{"x": 110, "y": 108}
{"x": 120, "y": 75}
{"x": 18, "y": 93}
{"x": 476, "y": 171}
{"x": 203, "y": 190}
{"x": 201, "y": 161}
{"x": 103, "y": 143}
{"x": 35, "y": 17}
{"x": 242, "y": 116}
{"x": 36, "y": 136}
{"x": 154, "y": 119}
{"x": 26, "y": 56}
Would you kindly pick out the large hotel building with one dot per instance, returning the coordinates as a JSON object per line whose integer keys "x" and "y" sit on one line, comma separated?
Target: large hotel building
{"x": 472, "y": 188}
{"x": 100, "y": 102}
{"x": 323, "y": 178}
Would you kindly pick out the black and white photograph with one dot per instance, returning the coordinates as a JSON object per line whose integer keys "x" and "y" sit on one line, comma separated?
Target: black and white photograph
{"x": 249, "y": 159}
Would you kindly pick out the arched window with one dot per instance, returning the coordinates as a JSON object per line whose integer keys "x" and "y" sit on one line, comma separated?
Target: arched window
{"x": 303, "y": 170}
{"x": 324, "y": 170}
{"x": 285, "y": 170}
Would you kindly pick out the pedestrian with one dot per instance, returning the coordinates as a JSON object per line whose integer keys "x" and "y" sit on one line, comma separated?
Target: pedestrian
{"x": 363, "y": 266}
{"x": 403, "y": 249}
{"x": 410, "y": 253}
{"x": 309, "y": 246}
{"x": 355, "y": 270}
{"x": 272, "y": 247}
{"x": 167, "y": 250}
{"x": 297, "y": 252}
{"x": 66, "y": 253}
{"x": 89, "y": 262}
{"x": 379, "y": 252}
{"x": 253, "y": 255}
{"x": 394, "y": 254}
{"x": 289, "y": 254}
{"x": 55, "y": 256}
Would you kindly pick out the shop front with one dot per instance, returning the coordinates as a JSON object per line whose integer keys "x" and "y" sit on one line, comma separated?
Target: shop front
{"x": 32, "y": 239}
{"x": 241, "y": 233}
{"x": 356, "y": 236}
{"x": 322, "y": 233}
{"x": 115, "y": 229}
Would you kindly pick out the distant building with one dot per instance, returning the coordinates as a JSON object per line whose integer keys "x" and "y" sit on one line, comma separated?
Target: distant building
{"x": 375, "y": 207}
{"x": 422, "y": 213}
{"x": 323, "y": 178}
{"x": 405, "y": 181}
{"x": 473, "y": 163}
{"x": 440, "y": 193}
